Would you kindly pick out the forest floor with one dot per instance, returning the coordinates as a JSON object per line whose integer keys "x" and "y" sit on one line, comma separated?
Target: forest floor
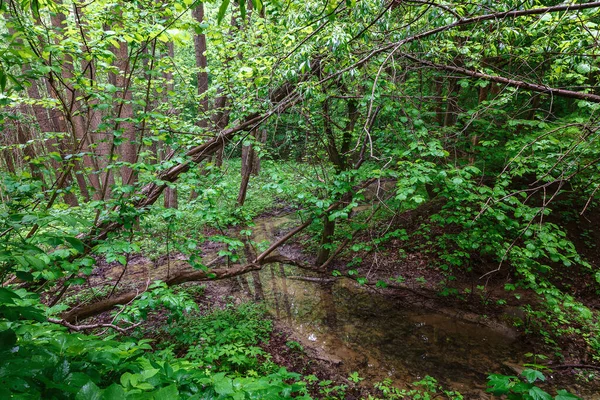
{"x": 416, "y": 282}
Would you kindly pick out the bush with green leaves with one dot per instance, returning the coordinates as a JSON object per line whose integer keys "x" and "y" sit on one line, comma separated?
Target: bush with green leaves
{"x": 524, "y": 387}
{"x": 43, "y": 360}
{"x": 224, "y": 340}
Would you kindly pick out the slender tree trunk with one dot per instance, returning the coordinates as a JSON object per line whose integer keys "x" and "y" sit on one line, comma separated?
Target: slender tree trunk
{"x": 201, "y": 64}
{"x": 353, "y": 115}
{"x": 23, "y": 138}
{"x": 74, "y": 114}
{"x": 262, "y": 139}
{"x": 439, "y": 101}
{"x": 248, "y": 155}
{"x": 170, "y": 200}
{"x": 452, "y": 102}
{"x": 326, "y": 240}
{"x": 330, "y": 145}
{"x": 129, "y": 147}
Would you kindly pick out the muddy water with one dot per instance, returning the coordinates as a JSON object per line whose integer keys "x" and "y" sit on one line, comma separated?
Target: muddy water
{"x": 379, "y": 336}
{"x": 382, "y": 337}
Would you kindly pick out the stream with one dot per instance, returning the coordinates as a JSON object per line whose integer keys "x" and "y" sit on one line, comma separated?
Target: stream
{"x": 378, "y": 335}
{"x": 382, "y": 336}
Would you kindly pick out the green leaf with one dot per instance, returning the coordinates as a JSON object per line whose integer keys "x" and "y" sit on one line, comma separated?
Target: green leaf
{"x": 8, "y": 339}
{"x": 75, "y": 243}
{"x": 242, "y": 4}
{"x": 167, "y": 393}
{"x": 223, "y": 384}
{"x": 499, "y": 384}
{"x": 35, "y": 262}
{"x": 532, "y": 375}
{"x": 538, "y": 394}
{"x": 7, "y": 296}
{"x": 583, "y": 68}
{"x": 89, "y": 391}
{"x": 2, "y": 81}
{"x": 222, "y": 10}
{"x": 24, "y": 276}
{"x": 35, "y": 8}
{"x": 258, "y": 5}
{"x": 564, "y": 395}
{"x": 114, "y": 392}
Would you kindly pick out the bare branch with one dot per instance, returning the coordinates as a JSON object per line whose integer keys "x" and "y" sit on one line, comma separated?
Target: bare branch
{"x": 510, "y": 82}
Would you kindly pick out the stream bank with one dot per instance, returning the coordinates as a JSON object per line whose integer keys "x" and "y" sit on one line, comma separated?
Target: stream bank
{"x": 402, "y": 333}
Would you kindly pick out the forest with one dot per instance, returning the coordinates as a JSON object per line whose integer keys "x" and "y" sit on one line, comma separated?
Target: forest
{"x": 320, "y": 199}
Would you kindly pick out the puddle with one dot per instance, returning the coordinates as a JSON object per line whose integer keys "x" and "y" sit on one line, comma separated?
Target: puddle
{"x": 381, "y": 337}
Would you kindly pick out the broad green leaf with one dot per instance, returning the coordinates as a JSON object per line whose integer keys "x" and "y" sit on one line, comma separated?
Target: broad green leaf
{"x": 89, "y": 391}
{"x": 8, "y": 339}
{"x": 533, "y": 375}
{"x": 538, "y": 394}
{"x": 564, "y": 395}
{"x": 114, "y": 392}
{"x": 75, "y": 243}
{"x": 223, "y": 384}
{"x": 7, "y": 296}
{"x": 167, "y": 393}
{"x": 222, "y": 10}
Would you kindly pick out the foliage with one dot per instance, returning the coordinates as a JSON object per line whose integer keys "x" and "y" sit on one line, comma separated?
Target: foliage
{"x": 426, "y": 389}
{"x": 44, "y": 360}
{"x": 455, "y": 131}
{"x": 524, "y": 388}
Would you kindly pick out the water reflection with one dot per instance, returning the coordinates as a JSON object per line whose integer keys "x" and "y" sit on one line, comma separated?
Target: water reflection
{"x": 381, "y": 337}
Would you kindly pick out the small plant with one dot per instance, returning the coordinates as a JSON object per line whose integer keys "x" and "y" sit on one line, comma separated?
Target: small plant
{"x": 427, "y": 389}
{"x": 524, "y": 388}
{"x": 355, "y": 378}
{"x": 421, "y": 280}
{"x": 294, "y": 346}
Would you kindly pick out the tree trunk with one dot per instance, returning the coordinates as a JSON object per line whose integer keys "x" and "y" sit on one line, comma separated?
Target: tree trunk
{"x": 248, "y": 155}
{"x": 452, "y": 102}
{"x": 129, "y": 147}
{"x": 326, "y": 240}
{"x": 73, "y": 113}
{"x": 201, "y": 64}
{"x": 439, "y": 101}
{"x": 23, "y": 137}
{"x": 10, "y": 165}
{"x": 330, "y": 145}
{"x": 170, "y": 200}
{"x": 262, "y": 139}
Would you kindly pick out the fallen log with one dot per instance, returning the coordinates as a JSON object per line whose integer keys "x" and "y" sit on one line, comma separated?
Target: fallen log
{"x": 82, "y": 312}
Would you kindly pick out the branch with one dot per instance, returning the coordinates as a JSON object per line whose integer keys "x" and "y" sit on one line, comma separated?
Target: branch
{"x": 79, "y": 328}
{"x": 510, "y": 82}
{"x": 148, "y": 195}
{"x": 80, "y": 313}
{"x": 462, "y": 22}
{"x": 578, "y": 366}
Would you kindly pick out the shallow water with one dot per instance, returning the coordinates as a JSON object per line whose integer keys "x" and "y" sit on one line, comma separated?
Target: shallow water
{"x": 381, "y": 337}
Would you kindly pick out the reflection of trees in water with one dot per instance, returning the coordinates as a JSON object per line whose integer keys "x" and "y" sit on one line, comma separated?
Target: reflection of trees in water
{"x": 284, "y": 291}
{"x": 391, "y": 334}
{"x": 275, "y": 291}
{"x": 328, "y": 303}
{"x": 259, "y": 294}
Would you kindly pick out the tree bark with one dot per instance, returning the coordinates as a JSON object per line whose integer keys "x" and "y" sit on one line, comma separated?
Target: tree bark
{"x": 129, "y": 147}
{"x": 248, "y": 155}
{"x": 201, "y": 64}
{"x": 326, "y": 240}
{"x": 170, "y": 196}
